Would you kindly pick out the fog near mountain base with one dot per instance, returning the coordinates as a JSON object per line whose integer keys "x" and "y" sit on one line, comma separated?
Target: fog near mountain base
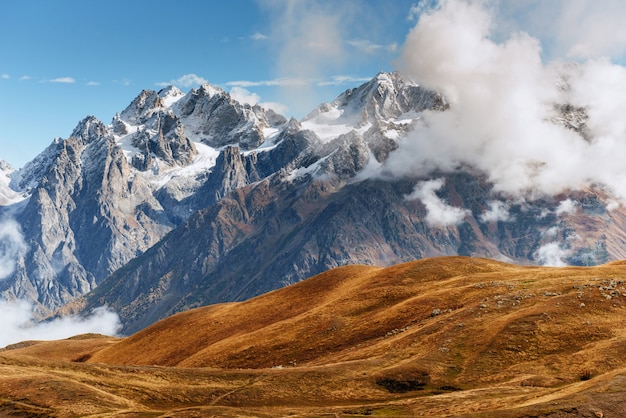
{"x": 503, "y": 101}
{"x": 12, "y": 246}
{"x": 19, "y": 324}
{"x": 438, "y": 213}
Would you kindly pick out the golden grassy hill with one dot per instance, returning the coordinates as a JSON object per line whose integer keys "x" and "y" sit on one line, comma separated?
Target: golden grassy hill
{"x": 449, "y": 336}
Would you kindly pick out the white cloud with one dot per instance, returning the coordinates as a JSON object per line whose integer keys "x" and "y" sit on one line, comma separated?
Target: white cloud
{"x": 12, "y": 247}
{"x": 309, "y": 38}
{"x": 92, "y": 83}
{"x": 551, "y": 254}
{"x": 335, "y": 80}
{"x": 185, "y": 81}
{"x": 566, "y": 206}
{"x": 612, "y": 205}
{"x": 438, "y": 213}
{"x": 280, "y": 82}
{"x": 588, "y": 29}
{"x": 5, "y": 76}
{"x": 257, "y": 36}
{"x": 25, "y": 77}
{"x": 502, "y": 96}
{"x": 63, "y": 80}
{"x": 551, "y": 232}
{"x": 244, "y": 96}
{"x": 339, "y": 80}
{"x": 18, "y": 324}
{"x": 370, "y": 47}
{"x": 498, "y": 211}
{"x": 417, "y": 9}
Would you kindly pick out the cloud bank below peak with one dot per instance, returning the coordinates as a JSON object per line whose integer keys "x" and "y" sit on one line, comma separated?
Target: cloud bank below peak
{"x": 504, "y": 100}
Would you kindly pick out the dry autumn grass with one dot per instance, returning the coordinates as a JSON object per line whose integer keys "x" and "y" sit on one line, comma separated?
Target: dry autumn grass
{"x": 439, "y": 337}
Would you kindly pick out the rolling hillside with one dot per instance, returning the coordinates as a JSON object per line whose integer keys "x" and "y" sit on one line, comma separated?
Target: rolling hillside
{"x": 450, "y": 336}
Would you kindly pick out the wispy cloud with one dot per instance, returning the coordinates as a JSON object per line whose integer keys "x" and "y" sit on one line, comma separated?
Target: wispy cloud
{"x": 63, "y": 80}
{"x": 5, "y": 76}
{"x": 92, "y": 83}
{"x": 339, "y": 80}
{"x": 277, "y": 82}
{"x": 258, "y": 36}
{"x": 245, "y": 96}
{"x": 186, "y": 81}
{"x": 25, "y": 77}
{"x": 19, "y": 324}
{"x": 370, "y": 47}
{"x": 335, "y": 80}
{"x": 417, "y": 9}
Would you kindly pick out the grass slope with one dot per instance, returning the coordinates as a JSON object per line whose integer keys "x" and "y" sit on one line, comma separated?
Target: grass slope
{"x": 450, "y": 336}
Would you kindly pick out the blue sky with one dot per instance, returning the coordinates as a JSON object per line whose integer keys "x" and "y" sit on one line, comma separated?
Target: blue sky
{"x": 61, "y": 60}
{"x": 65, "y": 59}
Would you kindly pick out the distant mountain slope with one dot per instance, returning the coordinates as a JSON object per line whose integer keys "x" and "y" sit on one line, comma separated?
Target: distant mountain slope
{"x": 275, "y": 233}
{"x": 190, "y": 199}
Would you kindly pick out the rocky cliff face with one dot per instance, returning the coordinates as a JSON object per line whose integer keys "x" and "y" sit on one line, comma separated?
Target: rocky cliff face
{"x": 104, "y": 195}
{"x": 189, "y": 199}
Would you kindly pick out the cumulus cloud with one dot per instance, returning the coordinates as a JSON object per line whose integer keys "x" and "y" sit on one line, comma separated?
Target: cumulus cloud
{"x": 438, "y": 213}
{"x": 552, "y": 254}
{"x": 245, "y": 96}
{"x": 502, "y": 100}
{"x": 18, "y": 324}
{"x": 566, "y": 206}
{"x": 498, "y": 211}
{"x": 12, "y": 246}
{"x": 185, "y": 81}
{"x": 63, "y": 80}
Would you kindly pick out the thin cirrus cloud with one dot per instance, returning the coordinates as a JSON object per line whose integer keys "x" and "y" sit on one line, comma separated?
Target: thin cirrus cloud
{"x": 336, "y": 80}
{"x": 370, "y": 47}
{"x": 63, "y": 80}
{"x": 5, "y": 76}
{"x": 277, "y": 82}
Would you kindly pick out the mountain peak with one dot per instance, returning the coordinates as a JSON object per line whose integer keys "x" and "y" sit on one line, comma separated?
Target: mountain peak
{"x": 142, "y": 107}
{"x": 170, "y": 95}
{"x": 210, "y": 90}
{"x": 88, "y": 129}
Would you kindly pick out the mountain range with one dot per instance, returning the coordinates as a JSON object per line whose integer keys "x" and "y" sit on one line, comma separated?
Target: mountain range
{"x": 188, "y": 199}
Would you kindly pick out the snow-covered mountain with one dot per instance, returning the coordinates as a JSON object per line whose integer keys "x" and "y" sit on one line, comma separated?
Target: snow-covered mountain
{"x": 187, "y": 199}
{"x": 92, "y": 202}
